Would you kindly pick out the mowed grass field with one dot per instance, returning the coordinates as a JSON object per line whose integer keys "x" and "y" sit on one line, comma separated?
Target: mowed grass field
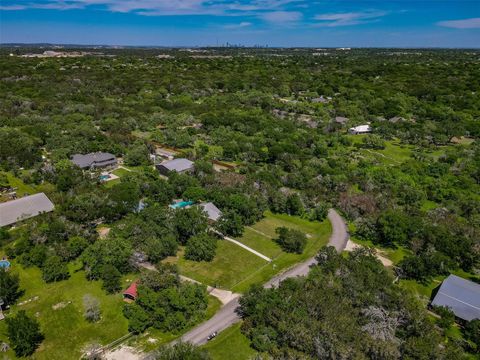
{"x": 65, "y": 329}
{"x": 230, "y": 344}
{"x": 236, "y": 269}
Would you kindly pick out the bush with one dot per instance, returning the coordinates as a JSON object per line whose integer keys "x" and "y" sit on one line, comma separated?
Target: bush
{"x": 231, "y": 224}
{"x": 24, "y": 334}
{"x": 472, "y": 333}
{"x": 201, "y": 248}
{"x": 91, "y": 307}
{"x": 55, "y": 269}
{"x": 9, "y": 287}
{"x": 181, "y": 351}
{"x": 290, "y": 240}
{"x": 447, "y": 317}
{"x": 111, "y": 279}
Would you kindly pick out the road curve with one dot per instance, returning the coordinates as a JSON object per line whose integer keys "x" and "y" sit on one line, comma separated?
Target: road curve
{"x": 227, "y": 316}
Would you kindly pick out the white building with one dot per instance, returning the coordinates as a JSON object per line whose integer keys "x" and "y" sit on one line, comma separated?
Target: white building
{"x": 360, "y": 129}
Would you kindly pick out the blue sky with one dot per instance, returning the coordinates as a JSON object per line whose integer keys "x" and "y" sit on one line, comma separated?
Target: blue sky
{"x": 317, "y": 23}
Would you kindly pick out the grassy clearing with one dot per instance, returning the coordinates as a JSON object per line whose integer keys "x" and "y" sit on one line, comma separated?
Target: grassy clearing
{"x": 263, "y": 244}
{"x": 230, "y": 265}
{"x": 317, "y": 233}
{"x": 394, "y": 254}
{"x": 22, "y": 189}
{"x": 120, "y": 172}
{"x": 237, "y": 269}
{"x": 228, "y": 340}
{"x": 66, "y": 331}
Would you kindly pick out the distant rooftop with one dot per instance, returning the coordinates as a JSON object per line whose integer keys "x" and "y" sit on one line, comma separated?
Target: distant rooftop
{"x": 177, "y": 165}
{"x": 461, "y": 296}
{"x": 212, "y": 211}
{"x": 24, "y": 208}
{"x": 98, "y": 159}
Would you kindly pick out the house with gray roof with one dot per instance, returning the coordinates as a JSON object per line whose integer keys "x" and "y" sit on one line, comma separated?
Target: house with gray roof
{"x": 94, "y": 160}
{"x": 461, "y": 296}
{"x": 212, "y": 211}
{"x": 24, "y": 208}
{"x": 179, "y": 165}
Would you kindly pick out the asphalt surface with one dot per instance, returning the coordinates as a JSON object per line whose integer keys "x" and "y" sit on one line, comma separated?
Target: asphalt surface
{"x": 227, "y": 316}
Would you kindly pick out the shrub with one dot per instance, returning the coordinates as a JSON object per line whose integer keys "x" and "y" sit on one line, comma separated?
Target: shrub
{"x": 290, "y": 240}
{"x": 201, "y": 248}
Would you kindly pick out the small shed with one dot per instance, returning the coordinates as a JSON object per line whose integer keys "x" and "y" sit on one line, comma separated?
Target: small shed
{"x": 461, "y": 296}
{"x": 131, "y": 294}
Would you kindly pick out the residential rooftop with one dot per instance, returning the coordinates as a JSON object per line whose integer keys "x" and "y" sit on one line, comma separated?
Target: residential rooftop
{"x": 212, "y": 211}
{"x": 95, "y": 160}
{"x": 178, "y": 165}
{"x": 461, "y": 296}
{"x": 24, "y": 208}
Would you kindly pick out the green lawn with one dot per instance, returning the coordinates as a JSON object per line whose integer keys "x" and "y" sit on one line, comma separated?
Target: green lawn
{"x": 317, "y": 233}
{"x": 66, "y": 332}
{"x": 261, "y": 243}
{"x": 237, "y": 269}
{"x": 120, "y": 172}
{"x": 21, "y": 188}
{"x": 230, "y": 344}
{"x": 231, "y": 264}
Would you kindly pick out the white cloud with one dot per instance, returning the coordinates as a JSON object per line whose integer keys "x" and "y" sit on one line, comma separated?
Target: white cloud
{"x": 12, "y": 7}
{"x": 241, "y": 25}
{"x": 472, "y": 23}
{"x": 349, "y": 18}
{"x": 163, "y": 7}
{"x": 280, "y": 17}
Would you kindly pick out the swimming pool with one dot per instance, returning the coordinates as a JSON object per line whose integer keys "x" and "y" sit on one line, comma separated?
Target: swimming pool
{"x": 104, "y": 177}
{"x": 181, "y": 204}
{"x": 4, "y": 264}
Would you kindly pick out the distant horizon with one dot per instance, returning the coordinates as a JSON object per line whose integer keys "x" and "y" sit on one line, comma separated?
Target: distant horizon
{"x": 231, "y": 46}
{"x": 278, "y": 23}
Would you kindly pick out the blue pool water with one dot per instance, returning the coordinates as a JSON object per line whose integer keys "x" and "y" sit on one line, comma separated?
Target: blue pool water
{"x": 181, "y": 204}
{"x": 4, "y": 264}
{"x": 104, "y": 177}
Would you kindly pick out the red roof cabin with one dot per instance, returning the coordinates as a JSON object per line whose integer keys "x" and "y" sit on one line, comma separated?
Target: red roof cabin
{"x": 130, "y": 295}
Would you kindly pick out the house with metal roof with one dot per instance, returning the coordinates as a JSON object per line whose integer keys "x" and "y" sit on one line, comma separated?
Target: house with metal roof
{"x": 461, "y": 296}
{"x": 360, "y": 129}
{"x": 24, "y": 208}
{"x": 94, "y": 160}
{"x": 212, "y": 211}
{"x": 179, "y": 165}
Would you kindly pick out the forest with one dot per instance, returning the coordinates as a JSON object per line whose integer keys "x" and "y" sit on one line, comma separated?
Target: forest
{"x": 278, "y": 121}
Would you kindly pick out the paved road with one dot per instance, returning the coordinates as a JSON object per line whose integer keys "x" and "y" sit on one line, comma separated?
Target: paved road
{"x": 227, "y": 315}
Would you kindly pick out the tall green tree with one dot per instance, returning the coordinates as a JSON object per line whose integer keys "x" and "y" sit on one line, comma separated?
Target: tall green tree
{"x": 24, "y": 333}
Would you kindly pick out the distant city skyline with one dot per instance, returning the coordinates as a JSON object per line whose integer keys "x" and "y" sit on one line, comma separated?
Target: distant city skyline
{"x": 276, "y": 23}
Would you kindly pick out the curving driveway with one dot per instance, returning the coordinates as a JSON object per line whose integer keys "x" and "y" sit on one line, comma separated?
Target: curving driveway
{"x": 227, "y": 316}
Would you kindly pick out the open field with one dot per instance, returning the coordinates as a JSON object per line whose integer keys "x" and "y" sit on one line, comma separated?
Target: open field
{"x": 317, "y": 233}
{"x": 221, "y": 347}
{"x": 236, "y": 269}
{"x": 231, "y": 265}
{"x": 65, "y": 329}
